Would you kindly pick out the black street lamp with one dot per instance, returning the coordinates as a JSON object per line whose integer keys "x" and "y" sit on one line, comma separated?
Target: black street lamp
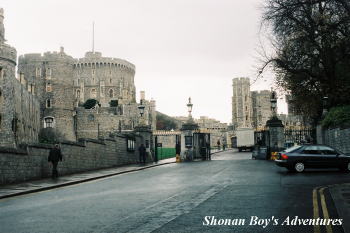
{"x": 273, "y": 101}
{"x": 189, "y": 107}
{"x": 141, "y": 108}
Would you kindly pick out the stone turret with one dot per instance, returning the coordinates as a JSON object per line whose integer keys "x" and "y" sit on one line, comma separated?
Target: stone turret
{"x": 19, "y": 108}
{"x": 2, "y": 28}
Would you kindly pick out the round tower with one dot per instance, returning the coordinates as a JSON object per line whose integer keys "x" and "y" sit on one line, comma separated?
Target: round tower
{"x": 8, "y": 57}
{"x": 51, "y": 74}
{"x": 104, "y": 79}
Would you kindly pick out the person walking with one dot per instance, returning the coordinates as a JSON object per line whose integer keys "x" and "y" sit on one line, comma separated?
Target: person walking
{"x": 55, "y": 156}
{"x": 142, "y": 153}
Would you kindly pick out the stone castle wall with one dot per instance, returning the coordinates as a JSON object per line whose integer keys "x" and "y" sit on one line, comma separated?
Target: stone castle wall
{"x": 338, "y": 138}
{"x": 19, "y": 166}
{"x": 19, "y": 107}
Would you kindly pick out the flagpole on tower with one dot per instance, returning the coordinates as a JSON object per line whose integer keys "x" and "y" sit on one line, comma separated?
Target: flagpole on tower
{"x": 93, "y": 36}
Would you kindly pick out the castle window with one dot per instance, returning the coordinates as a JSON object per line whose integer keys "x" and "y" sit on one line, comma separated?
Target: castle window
{"x": 110, "y": 80}
{"x": 111, "y": 95}
{"x": 246, "y": 118}
{"x": 130, "y": 144}
{"x": 14, "y": 125}
{"x": 48, "y": 73}
{"x": 48, "y": 87}
{"x": 78, "y": 94}
{"x": 91, "y": 117}
{"x": 93, "y": 93}
{"x": 49, "y": 122}
{"x": 38, "y": 72}
{"x": 48, "y": 103}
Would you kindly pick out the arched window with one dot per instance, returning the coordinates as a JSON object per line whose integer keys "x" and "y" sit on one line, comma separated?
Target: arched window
{"x": 91, "y": 117}
{"x": 48, "y": 87}
{"x": 49, "y": 122}
{"x": 111, "y": 95}
{"x": 78, "y": 94}
{"x": 93, "y": 93}
{"x": 48, "y": 103}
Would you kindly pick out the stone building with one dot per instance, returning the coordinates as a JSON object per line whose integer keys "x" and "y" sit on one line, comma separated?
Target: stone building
{"x": 64, "y": 83}
{"x": 104, "y": 79}
{"x": 50, "y": 75}
{"x": 242, "y": 110}
{"x": 217, "y": 129}
{"x": 261, "y": 101}
{"x": 19, "y": 107}
{"x": 53, "y": 86}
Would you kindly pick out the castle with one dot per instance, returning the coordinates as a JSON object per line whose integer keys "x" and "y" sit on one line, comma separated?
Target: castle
{"x": 50, "y": 90}
{"x": 252, "y": 109}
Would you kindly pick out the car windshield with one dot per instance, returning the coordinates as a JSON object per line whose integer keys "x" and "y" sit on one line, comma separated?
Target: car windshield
{"x": 293, "y": 148}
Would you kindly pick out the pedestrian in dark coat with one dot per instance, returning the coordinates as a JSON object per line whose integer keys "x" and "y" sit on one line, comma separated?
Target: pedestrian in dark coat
{"x": 55, "y": 156}
{"x": 142, "y": 153}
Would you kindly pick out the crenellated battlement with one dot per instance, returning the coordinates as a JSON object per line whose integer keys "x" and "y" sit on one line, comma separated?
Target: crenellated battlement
{"x": 46, "y": 57}
{"x": 8, "y": 53}
{"x": 96, "y": 59}
{"x": 241, "y": 80}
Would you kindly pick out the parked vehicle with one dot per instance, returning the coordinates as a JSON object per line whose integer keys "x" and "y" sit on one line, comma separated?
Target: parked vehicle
{"x": 298, "y": 158}
{"x": 245, "y": 139}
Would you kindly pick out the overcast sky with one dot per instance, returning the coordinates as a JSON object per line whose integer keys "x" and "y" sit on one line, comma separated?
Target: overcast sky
{"x": 180, "y": 48}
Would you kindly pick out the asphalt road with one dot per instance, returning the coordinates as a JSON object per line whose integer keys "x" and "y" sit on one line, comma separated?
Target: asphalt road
{"x": 183, "y": 197}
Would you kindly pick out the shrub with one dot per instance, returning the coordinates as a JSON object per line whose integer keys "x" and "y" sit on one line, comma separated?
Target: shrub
{"x": 113, "y": 103}
{"x": 337, "y": 116}
{"x": 90, "y": 103}
{"x": 49, "y": 135}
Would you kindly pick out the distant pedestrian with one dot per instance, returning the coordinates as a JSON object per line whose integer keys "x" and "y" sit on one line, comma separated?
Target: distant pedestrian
{"x": 55, "y": 156}
{"x": 218, "y": 143}
{"x": 142, "y": 153}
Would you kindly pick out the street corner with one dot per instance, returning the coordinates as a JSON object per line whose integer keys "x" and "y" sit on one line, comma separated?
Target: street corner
{"x": 329, "y": 210}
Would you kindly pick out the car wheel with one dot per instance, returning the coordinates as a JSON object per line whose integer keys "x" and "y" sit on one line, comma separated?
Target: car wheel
{"x": 346, "y": 167}
{"x": 299, "y": 167}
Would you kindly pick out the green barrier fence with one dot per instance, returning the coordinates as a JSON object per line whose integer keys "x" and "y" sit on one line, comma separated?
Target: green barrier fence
{"x": 165, "y": 153}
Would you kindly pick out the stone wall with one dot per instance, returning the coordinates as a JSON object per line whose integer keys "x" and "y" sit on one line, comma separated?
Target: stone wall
{"x": 338, "y": 138}
{"x": 21, "y": 165}
{"x": 167, "y": 141}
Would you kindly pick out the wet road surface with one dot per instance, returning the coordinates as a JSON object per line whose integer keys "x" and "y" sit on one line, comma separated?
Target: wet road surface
{"x": 183, "y": 197}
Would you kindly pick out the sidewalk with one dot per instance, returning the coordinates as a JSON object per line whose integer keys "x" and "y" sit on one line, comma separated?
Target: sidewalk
{"x": 341, "y": 197}
{"x": 7, "y": 191}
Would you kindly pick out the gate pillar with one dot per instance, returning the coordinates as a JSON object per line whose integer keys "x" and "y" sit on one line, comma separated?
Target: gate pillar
{"x": 146, "y": 139}
{"x": 276, "y": 135}
{"x": 187, "y": 131}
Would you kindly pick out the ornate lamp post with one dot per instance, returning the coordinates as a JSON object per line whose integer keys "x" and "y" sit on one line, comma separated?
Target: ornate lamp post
{"x": 187, "y": 131}
{"x": 273, "y": 101}
{"x": 189, "y": 107}
{"x": 141, "y": 108}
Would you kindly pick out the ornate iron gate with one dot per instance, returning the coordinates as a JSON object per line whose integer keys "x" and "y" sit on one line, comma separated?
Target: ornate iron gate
{"x": 301, "y": 136}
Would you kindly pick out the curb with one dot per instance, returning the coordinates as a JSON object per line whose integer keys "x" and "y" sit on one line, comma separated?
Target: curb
{"x": 79, "y": 181}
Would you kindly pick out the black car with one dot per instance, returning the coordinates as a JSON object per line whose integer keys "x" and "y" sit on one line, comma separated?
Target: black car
{"x": 297, "y": 158}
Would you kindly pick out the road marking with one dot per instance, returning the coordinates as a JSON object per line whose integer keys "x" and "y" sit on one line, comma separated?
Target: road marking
{"x": 324, "y": 210}
{"x": 316, "y": 211}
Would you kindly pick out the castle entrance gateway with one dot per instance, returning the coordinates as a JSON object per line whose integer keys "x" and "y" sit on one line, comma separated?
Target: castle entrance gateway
{"x": 167, "y": 144}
